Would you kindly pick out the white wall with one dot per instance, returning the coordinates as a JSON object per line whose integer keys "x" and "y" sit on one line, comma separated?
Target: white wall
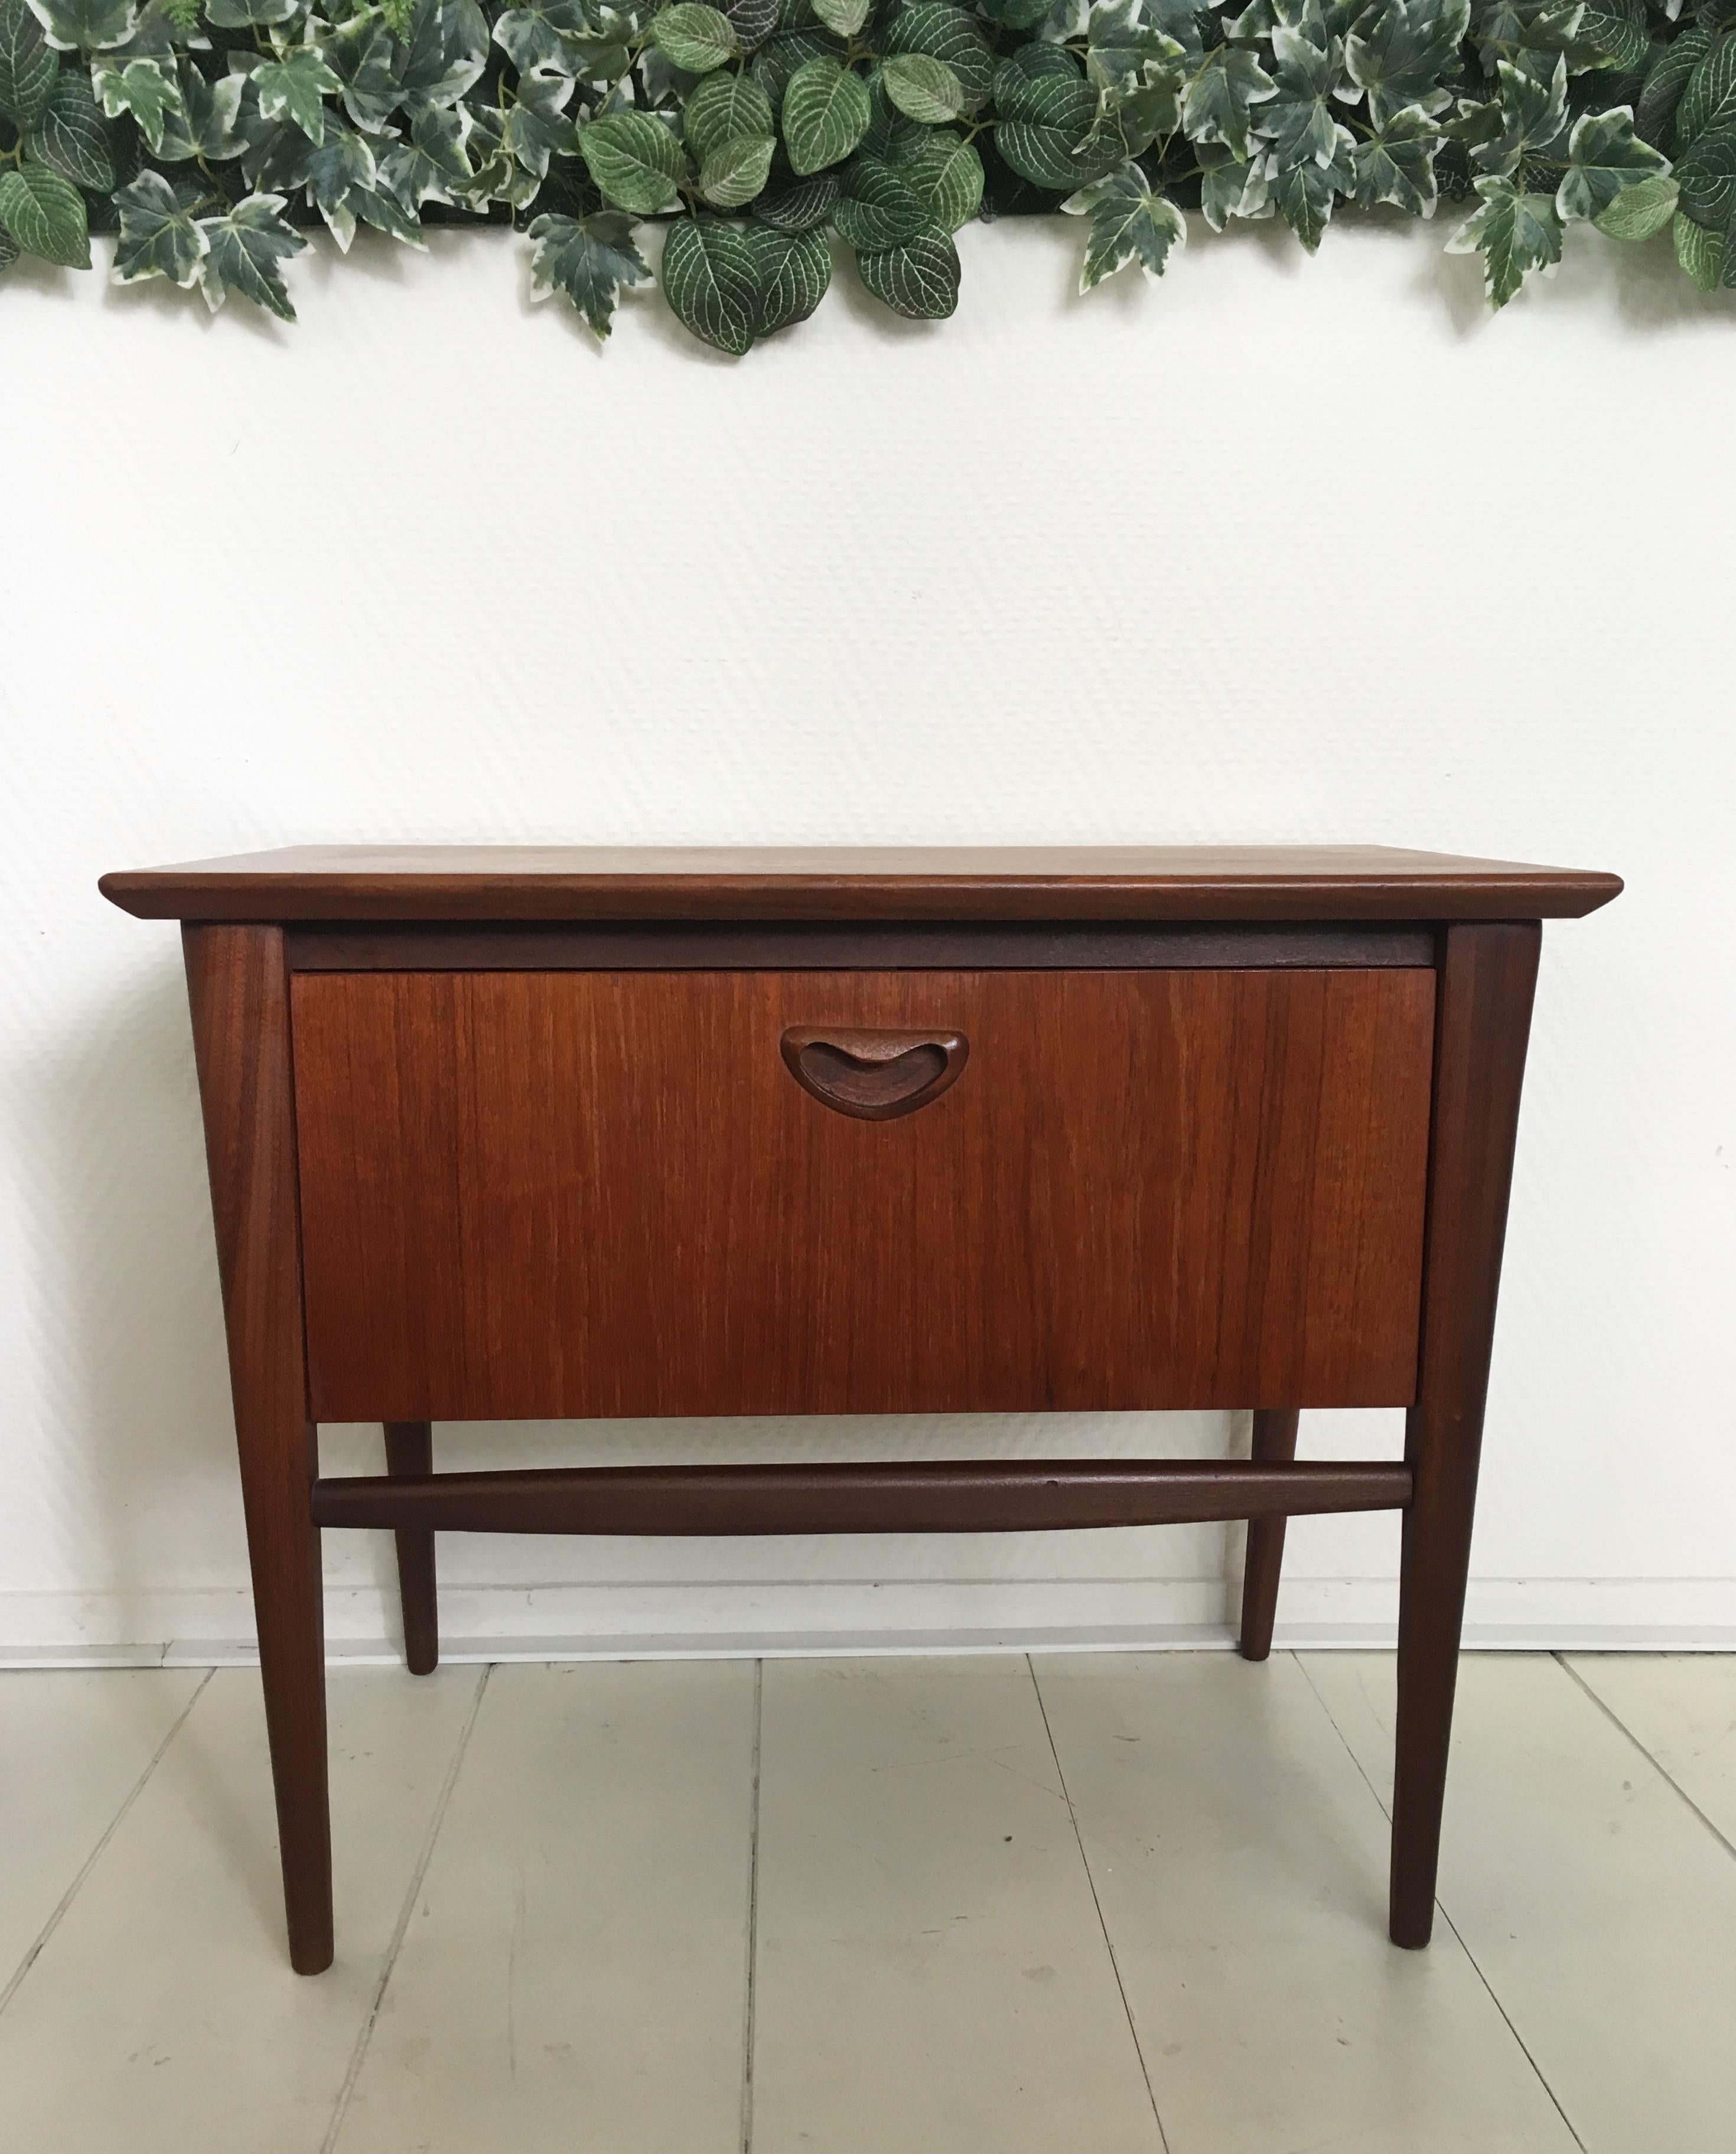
{"x": 1275, "y": 551}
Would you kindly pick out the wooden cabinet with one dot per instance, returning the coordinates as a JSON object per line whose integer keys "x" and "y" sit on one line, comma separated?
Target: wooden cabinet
{"x": 502, "y": 1133}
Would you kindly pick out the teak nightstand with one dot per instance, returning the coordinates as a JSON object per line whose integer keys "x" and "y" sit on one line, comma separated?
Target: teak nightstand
{"x": 511, "y": 1132}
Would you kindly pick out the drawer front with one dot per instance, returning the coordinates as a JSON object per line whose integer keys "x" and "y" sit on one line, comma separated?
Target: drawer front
{"x": 531, "y": 1194}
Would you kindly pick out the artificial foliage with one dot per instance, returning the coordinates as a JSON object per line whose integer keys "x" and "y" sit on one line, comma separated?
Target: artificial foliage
{"x": 769, "y": 136}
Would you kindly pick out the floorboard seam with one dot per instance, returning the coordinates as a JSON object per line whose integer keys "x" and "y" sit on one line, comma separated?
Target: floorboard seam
{"x": 1476, "y": 1966}
{"x": 405, "y": 1913}
{"x": 1610, "y": 1713}
{"x": 749, "y": 2008}
{"x": 91, "y": 1860}
{"x": 1108, "y": 1943}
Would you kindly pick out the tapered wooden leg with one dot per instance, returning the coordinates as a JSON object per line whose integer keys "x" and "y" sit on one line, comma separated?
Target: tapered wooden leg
{"x": 1482, "y": 1022}
{"x": 409, "y": 1456}
{"x": 238, "y": 987}
{"x": 1274, "y": 1443}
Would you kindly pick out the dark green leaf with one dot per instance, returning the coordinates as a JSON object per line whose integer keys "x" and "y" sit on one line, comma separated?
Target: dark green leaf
{"x": 28, "y": 65}
{"x": 825, "y": 116}
{"x": 711, "y": 280}
{"x": 1707, "y": 176}
{"x": 791, "y": 271}
{"x": 948, "y": 33}
{"x": 45, "y": 214}
{"x": 923, "y": 88}
{"x": 801, "y": 207}
{"x": 1709, "y": 100}
{"x": 736, "y": 170}
{"x": 71, "y": 136}
{"x": 722, "y": 107}
{"x": 695, "y": 37}
{"x": 880, "y": 207}
{"x": 918, "y": 279}
{"x": 946, "y": 176}
{"x": 1671, "y": 65}
{"x": 1700, "y": 252}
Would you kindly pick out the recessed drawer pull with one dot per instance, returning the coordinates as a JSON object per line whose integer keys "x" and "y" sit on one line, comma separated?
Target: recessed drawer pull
{"x": 875, "y": 1075}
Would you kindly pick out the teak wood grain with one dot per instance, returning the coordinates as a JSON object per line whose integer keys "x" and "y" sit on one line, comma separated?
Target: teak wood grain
{"x": 452, "y": 883}
{"x": 538, "y": 1194}
{"x": 239, "y": 993}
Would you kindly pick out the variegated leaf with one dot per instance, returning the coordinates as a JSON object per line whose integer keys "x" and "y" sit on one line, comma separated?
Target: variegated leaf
{"x": 1513, "y": 232}
{"x": 591, "y": 259}
{"x": 86, "y": 26}
{"x": 1219, "y": 104}
{"x": 1604, "y": 157}
{"x": 1128, "y": 223}
{"x": 158, "y": 235}
{"x": 245, "y": 248}
{"x": 295, "y": 88}
{"x": 1397, "y": 164}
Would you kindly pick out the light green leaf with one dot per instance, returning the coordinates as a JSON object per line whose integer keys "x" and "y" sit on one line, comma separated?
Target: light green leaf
{"x": 711, "y": 279}
{"x": 696, "y": 37}
{"x": 881, "y": 205}
{"x": 158, "y": 235}
{"x": 45, "y": 214}
{"x": 825, "y": 116}
{"x": 736, "y": 170}
{"x": 1639, "y": 211}
{"x": 1604, "y": 157}
{"x": 946, "y": 176}
{"x": 1128, "y": 223}
{"x": 1399, "y": 52}
{"x": 148, "y": 89}
{"x": 1397, "y": 163}
{"x": 843, "y": 17}
{"x": 1220, "y": 100}
{"x": 918, "y": 279}
{"x": 244, "y": 249}
{"x": 295, "y": 88}
{"x": 1700, "y": 252}
{"x": 923, "y": 88}
{"x": 590, "y": 259}
{"x": 28, "y": 65}
{"x": 87, "y": 26}
{"x": 634, "y": 161}
{"x": 722, "y": 107}
{"x": 70, "y": 135}
{"x": 792, "y": 270}
{"x": 1513, "y": 232}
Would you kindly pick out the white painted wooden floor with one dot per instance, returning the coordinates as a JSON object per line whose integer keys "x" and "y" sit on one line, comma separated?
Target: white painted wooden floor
{"x": 1117, "y": 1903}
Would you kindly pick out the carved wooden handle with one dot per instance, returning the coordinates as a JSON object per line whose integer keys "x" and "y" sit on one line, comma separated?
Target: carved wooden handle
{"x": 875, "y": 1075}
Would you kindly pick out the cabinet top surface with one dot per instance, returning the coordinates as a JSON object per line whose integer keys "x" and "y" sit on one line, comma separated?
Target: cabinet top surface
{"x": 576, "y": 882}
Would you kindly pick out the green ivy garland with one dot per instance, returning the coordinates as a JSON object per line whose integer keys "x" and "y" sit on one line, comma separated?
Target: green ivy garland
{"x": 205, "y": 133}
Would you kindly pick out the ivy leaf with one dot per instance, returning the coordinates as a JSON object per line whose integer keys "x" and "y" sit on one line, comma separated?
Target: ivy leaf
{"x": 364, "y": 55}
{"x": 634, "y": 161}
{"x": 45, "y": 214}
{"x": 150, "y": 89}
{"x": 1639, "y": 211}
{"x": 340, "y": 170}
{"x": 1304, "y": 192}
{"x": 1400, "y": 52}
{"x": 946, "y": 177}
{"x": 1296, "y": 120}
{"x": 1220, "y": 100}
{"x": 1707, "y": 177}
{"x": 1127, "y": 51}
{"x": 1532, "y": 116}
{"x": 948, "y": 33}
{"x": 1709, "y": 99}
{"x": 737, "y": 171}
{"x": 1508, "y": 29}
{"x": 553, "y": 36}
{"x": 1513, "y": 232}
{"x": 70, "y": 135}
{"x": 1046, "y": 110}
{"x": 792, "y": 272}
{"x": 590, "y": 258}
{"x": 801, "y": 207}
{"x": 536, "y": 128}
{"x": 917, "y": 279}
{"x": 86, "y": 26}
{"x": 28, "y": 65}
{"x": 1397, "y": 163}
{"x": 825, "y": 115}
{"x": 1234, "y": 186}
{"x": 207, "y": 122}
{"x": 248, "y": 14}
{"x": 843, "y": 17}
{"x": 1700, "y": 252}
{"x": 158, "y": 236}
{"x": 721, "y": 108}
{"x": 243, "y": 249}
{"x": 923, "y": 88}
{"x": 446, "y": 51}
{"x": 710, "y": 280}
{"x": 1128, "y": 223}
{"x": 295, "y": 88}
{"x": 1604, "y": 157}
{"x": 696, "y": 37}
{"x": 880, "y": 207}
